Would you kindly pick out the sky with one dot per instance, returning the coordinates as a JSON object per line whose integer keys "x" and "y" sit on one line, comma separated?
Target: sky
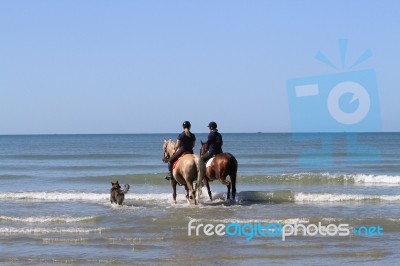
{"x": 88, "y": 67}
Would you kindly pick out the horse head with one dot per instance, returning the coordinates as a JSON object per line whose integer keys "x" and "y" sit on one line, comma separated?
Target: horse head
{"x": 203, "y": 148}
{"x": 168, "y": 149}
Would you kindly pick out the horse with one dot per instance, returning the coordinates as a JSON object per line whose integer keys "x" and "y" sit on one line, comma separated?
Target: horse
{"x": 189, "y": 168}
{"x": 222, "y": 165}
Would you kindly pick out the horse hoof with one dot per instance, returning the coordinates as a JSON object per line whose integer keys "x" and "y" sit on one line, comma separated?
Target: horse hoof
{"x": 230, "y": 201}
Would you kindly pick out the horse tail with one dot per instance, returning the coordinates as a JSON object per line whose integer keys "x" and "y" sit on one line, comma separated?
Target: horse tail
{"x": 233, "y": 166}
{"x": 201, "y": 168}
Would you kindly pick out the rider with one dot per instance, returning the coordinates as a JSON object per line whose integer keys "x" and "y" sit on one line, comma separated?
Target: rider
{"x": 214, "y": 142}
{"x": 184, "y": 144}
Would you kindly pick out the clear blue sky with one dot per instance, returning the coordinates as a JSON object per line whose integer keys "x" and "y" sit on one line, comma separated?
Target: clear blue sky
{"x": 146, "y": 66}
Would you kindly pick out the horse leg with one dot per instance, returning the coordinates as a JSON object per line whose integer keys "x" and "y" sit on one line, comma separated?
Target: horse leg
{"x": 192, "y": 195}
{"x": 195, "y": 196}
{"x": 187, "y": 194}
{"x": 229, "y": 191}
{"x": 233, "y": 180}
{"x": 225, "y": 182}
{"x": 173, "y": 184}
{"x": 207, "y": 183}
{"x": 232, "y": 185}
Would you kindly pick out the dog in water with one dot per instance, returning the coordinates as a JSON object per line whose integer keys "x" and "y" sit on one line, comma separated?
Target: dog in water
{"x": 116, "y": 194}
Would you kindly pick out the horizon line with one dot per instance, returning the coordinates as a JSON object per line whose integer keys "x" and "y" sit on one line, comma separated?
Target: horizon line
{"x": 169, "y": 133}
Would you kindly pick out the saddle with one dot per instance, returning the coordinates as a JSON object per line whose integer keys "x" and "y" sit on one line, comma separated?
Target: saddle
{"x": 176, "y": 162}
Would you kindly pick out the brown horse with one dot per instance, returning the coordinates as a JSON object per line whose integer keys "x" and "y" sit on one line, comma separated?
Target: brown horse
{"x": 189, "y": 168}
{"x": 224, "y": 164}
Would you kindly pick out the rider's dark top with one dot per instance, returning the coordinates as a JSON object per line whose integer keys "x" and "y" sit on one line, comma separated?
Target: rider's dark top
{"x": 187, "y": 141}
{"x": 214, "y": 142}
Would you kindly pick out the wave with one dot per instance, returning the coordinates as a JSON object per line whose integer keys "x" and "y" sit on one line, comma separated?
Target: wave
{"x": 377, "y": 179}
{"x": 54, "y": 196}
{"x": 307, "y": 197}
{"x": 337, "y": 197}
{"x": 61, "y": 230}
{"x": 278, "y": 196}
{"x": 47, "y": 219}
{"x": 310, "y": 197}
{"x": 322, "y": 179}
{"x": 79, "y": 196}
{"x": 302, "y": 179}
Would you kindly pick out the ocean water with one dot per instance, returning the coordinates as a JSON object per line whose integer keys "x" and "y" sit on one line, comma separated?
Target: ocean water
{"x": 55, "y": 208}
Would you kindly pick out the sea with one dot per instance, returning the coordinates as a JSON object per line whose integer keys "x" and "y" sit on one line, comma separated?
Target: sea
{"x": 302, "y": 199}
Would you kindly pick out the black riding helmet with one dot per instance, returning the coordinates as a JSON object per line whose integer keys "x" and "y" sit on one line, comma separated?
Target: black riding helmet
{"x": 186, "y": 124}
{"x": 212, "y": 125}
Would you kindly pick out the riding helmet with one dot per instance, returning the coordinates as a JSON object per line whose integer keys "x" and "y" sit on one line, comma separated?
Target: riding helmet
{"x": 186, "y": 124}
{"x": 212, "y": 124}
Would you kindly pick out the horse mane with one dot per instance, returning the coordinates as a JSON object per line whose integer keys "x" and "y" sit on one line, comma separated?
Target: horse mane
{"x": 169, "y": 142}
{"x": 202, "y": 146}
{"x": 169, "y": 145}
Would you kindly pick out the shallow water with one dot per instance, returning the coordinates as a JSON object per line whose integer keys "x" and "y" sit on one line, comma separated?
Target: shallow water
{"x": 54, "y": 201}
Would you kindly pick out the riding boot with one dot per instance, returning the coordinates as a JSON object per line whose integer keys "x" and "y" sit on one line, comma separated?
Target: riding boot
{"x": 169, "y": 176}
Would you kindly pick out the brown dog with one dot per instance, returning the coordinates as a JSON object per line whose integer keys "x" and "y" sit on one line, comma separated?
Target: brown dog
{"x": 116, "y": 194}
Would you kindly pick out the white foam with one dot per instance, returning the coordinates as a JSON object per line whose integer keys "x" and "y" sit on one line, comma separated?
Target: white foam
{"x": 356, "y": 178}
{"x": 333, "y": 197}
{"x": 46, "y": 219}
{"x": 152, "y": 196}
{"x": 163, "y": 197}
{"x": 54, "y": 196}
{"x": 393, "y": 219}
{"x": 377, "y": 179}
{"x": 77, "y": 196}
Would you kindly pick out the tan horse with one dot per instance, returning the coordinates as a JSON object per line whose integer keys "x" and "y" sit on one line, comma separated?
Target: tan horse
{"x": 189, "y": 168}
{"x": 224, "y": 164}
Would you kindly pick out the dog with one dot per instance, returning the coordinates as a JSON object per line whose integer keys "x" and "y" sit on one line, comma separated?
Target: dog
{"x": 116, "y": 194}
